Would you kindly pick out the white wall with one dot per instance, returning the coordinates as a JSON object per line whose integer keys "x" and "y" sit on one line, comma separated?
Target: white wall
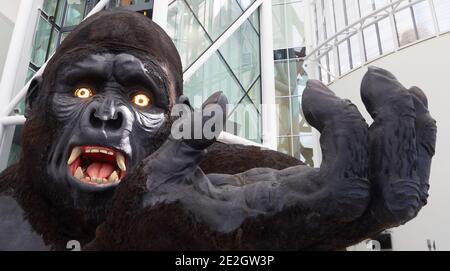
{"x": 6, "y": 28}
{"x": 8, "y": 14}
{"x": 427, "y": 65}
{"x": 9, "y": 9}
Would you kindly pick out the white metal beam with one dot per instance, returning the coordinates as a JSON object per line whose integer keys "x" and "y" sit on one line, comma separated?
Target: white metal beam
{"x": 160, "y": 10}
{"x": 268, "y": 112}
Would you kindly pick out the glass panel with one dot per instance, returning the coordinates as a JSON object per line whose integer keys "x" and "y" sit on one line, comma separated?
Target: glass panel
{"x": 281, "y": 78}
{"x": 352, "y": 11}
{"x": 424, "y": 20}
{"x": 247, "y": 121}
{"x": 49, "y": 7}
{"x": 255, "y": 94}
{"x": 54, "y": 42}
{"x": 296, "y": 108}
{"x": 278, "y": 26}
{"x": 63, "y": 36}
{"x": 339, "y": 13}
{"x": 298, "y": 119}
{"x": 295, "y": 24}
{"x": 331, "y": 64}
{"x": 405, "y": 27}
{"x": 328, "y": 25}
{"x": 344, "y": 58}
{"x": 187, "y": 34}
{"x": 16, "y": 148}
{"x": 284, "y": 116}
{"x": 355, "y": 49}
{"x": 295, "y": 72}
{"x": 323, "y": 70}
{"x": 254, "y": 19}
{"x": 41, "y": 42}
{"x": 320, "y": 22}
{"x": 442, "y": 8}
{"x": 386, "y": 37}
{"x": 74, "y": 12}
{"x": 245, "y": 3}
{"x": 277, "y": 2}
{"x": 211, "y": 77}
{"x": 216, "y": 16}
{"x": 241, "y": 52}
{"x": 60, "y": 12}
{"x": 381, "y": 3}
{"x": 303, "y": 149}
{"x": 285, "y": 145}
{"x": 371, "y": 42}
{"x": 366, "y": 7}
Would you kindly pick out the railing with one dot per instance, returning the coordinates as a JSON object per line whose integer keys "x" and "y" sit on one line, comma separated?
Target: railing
{"x": 348, "y": 49}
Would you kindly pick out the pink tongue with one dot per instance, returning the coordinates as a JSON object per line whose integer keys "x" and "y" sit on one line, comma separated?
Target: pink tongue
{"x": 100, "y": 170}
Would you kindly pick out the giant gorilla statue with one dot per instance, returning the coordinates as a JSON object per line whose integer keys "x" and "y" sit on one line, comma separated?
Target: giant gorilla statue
{"x": 99, "y": 163}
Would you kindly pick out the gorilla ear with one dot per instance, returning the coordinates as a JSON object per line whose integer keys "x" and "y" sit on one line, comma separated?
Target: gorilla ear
{"x": 32, "y": 93}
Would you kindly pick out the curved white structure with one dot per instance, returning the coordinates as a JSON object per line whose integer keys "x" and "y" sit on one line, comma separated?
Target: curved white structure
{"x": 421, "y": 61}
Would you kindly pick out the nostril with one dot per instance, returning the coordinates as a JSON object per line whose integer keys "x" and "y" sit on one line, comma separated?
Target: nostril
{"x": 94, "y": 121}
{"x": 115, "y": 123}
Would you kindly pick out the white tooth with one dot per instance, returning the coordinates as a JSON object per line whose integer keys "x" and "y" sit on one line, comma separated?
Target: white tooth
{"x": 74, "y": 155}
{"x": 121, "y": 161}
{"x": 88, "y": 150}
{"x": 103, "y": 151}
{"x": 95, "y": 150}
{"x": 113, "y": 177}
{"x": 79, "y": 173}
{"x": 110, "y": 153}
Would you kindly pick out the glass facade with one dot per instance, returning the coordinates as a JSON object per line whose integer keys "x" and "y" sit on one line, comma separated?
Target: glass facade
{"x": 57, "y": 18}
{"x": 234, "y": 69}
{"x": 397, "y": 26}
{"x": 293, "y": 132}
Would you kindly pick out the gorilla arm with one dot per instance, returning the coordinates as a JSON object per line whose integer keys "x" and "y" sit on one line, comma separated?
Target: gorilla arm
{"x": 175, "y": 206}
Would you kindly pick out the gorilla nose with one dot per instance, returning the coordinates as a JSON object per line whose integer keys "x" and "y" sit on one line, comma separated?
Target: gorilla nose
{"x": 105, "y": 115}
{"x": 106, "y": 121}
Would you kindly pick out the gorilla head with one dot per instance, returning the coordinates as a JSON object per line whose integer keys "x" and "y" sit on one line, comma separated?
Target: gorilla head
{"x": 101, "y": 106}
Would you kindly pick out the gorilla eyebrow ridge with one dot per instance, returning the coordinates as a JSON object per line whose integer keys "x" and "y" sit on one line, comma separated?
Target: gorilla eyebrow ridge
{"x": 129, "y": 71}
{"x": 94, "y": 68}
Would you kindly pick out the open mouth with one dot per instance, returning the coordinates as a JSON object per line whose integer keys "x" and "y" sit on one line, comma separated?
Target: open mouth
{"x": 99, "y": 166}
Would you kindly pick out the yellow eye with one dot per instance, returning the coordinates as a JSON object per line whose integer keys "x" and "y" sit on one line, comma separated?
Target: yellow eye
{"x": 83, "y": 93}
{"x": 141, "y": 100}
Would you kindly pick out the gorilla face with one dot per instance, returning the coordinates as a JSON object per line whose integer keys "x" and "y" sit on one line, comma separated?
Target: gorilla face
{"x": 112, "y": 108}
{"x": 114, "y": 111}
{"x": 111, "y": 111}
{"x": 101, "y": 106}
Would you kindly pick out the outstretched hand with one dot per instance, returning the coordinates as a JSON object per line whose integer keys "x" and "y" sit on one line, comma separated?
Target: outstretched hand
{"x": 371, "y": 178}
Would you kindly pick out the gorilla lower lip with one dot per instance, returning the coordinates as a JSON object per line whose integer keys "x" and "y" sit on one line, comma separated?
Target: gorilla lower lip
{"x": 97, "y": 165}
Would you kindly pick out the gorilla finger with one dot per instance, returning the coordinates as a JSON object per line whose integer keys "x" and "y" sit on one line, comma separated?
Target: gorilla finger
{"x": 419, "y": 95}
{"x": 378, "y": 87}
{"x": 425, "y": 139}
{"x": 321, "y": 106}
{"x": 392, "y": 147}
